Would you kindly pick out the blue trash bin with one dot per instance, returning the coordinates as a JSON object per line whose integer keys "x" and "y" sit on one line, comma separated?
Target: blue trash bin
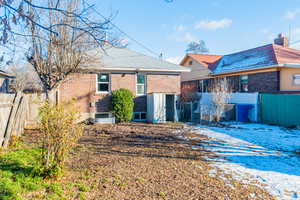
{"x": 243, "y": 112}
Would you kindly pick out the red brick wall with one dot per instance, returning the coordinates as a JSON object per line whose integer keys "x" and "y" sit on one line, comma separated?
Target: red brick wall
{"x": 83, "y": 88}
{"x": 163, "y": 83}
{"x": 126, "y": 81}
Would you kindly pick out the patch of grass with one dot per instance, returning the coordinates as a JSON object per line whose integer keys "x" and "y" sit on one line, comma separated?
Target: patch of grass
{"x": 106, "y": 180}
{"x": 83, "y": 188}
{"x": 161, "y": 194}
{"x": 140, "y": 179}
{"x": 19, "y": 173}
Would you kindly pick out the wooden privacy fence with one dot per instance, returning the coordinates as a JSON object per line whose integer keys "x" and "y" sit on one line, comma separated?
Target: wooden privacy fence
{"x": 16, "y": 112}
{"x": 280, "y": 109}
{"x": 12, "y": 116}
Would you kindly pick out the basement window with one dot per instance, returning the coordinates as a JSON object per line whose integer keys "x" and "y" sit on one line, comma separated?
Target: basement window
{"x": 102, "y": 115}
{"x": 139, "y": 116}
{"x": 103, "y": 83}
{"x": 296, "y": 79}
{"x": 141, "y": 84}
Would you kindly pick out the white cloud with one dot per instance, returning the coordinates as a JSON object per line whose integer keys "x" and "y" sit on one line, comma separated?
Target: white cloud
{"x": 186, "y": 37}
{"x": 291, "y": 14}
{"x": 179, "y": 28}
{"x": 213, "y": 24}
{"x": 175, "y": 60}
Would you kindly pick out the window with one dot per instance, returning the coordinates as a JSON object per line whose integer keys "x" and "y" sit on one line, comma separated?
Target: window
{"x": 141, "y": 84}
{"x": 103, "y": 83}
{"x": 244, "y": 83}
{"x": 191, "y": 62}
{"x": 102, "y": 115}
{"x": 296, "y": 79}
{"x": 139, "y": 116}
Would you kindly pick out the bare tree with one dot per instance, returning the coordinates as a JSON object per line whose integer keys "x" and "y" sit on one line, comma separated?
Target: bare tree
{"x": 221, "y": 95}
{"x": 16, "y": 16}
{"x": 63, "y": 49}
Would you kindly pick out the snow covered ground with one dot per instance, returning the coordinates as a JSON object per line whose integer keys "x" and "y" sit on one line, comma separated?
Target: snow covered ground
{"x": 269, "y": 154}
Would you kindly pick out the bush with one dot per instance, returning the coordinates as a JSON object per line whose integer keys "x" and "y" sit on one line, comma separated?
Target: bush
{"x": 122, "y": 105}
{"x": 60, "y": 132}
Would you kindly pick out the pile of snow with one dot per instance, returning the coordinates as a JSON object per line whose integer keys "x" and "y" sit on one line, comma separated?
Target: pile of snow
{"x": 256, "y": 152}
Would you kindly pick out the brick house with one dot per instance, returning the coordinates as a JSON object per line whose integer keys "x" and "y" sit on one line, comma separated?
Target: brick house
{"x": 273, "y": 68}
{"x": 120, "y": 68}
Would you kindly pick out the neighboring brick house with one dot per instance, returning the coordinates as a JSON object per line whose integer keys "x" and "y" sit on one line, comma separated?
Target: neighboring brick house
{"x": 273, "y": 68}
{"x": 200, "y": 70}
{"x": 120, "y": 68}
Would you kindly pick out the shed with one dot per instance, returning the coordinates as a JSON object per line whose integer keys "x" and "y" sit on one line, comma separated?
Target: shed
{"x": 161, "y": 107}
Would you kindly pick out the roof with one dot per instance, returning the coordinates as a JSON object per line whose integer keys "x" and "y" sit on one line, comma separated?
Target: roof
{"x": 271, "y": 55}
{"x": 123, "y": 59}
{"x": 205, "y": 59}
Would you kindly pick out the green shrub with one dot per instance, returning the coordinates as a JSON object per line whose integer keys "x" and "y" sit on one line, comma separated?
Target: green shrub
{"x": 122, "y": 105}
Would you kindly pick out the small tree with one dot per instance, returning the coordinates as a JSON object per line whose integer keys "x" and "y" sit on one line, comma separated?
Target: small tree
{"x": 197, "y": 47}
{"x": 60, "y": 132}
{"x": 221, "y": 95}
{"x": 122, "y": 105}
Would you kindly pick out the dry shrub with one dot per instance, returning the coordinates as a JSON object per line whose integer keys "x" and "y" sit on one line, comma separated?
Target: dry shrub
{"x": 60, "y": 132}
{"x": 221, "y": 96}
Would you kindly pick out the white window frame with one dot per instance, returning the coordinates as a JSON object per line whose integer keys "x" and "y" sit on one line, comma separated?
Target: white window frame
{"x": 109, "y": 84}
{"x": 144, "y": 84}
{"x": 109, "y": 115}
{"x": 140, "y": 117}
{"x": 241, "y": 84}
{"x": 296, "y": 77}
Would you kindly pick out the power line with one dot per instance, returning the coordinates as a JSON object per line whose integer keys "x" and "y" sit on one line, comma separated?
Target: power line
{"x": 124, "y": 33}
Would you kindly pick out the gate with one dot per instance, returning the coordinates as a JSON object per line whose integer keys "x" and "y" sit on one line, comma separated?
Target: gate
{"x": 280, "y": 109}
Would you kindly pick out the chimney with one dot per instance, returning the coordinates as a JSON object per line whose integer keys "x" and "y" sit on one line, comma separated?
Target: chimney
{"x": 281, "y": 40}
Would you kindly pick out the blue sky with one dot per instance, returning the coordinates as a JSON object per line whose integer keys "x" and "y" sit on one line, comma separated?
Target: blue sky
{"x": 225, "y": 25}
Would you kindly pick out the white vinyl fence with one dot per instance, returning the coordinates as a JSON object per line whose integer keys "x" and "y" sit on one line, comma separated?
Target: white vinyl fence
{"x": 206, "y": 102}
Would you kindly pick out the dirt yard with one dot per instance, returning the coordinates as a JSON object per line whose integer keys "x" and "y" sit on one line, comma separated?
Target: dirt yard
{"x": 144, "y": 161}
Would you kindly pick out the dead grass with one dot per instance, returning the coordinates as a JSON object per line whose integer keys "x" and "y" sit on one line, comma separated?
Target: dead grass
{"x": 144, "y": 161}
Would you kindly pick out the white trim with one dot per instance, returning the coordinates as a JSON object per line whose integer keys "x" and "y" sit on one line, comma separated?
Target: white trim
{"x": 109, "y": 115}
{"x": 142, "y": 70}
{"x": 292, "y": 65}
{"x": 136, "y": 84}
{"x": 109, "y": 83}
{"x": 294, "y": 79}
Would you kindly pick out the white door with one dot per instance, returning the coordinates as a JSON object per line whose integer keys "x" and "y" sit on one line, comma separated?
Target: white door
{"x": 159, "y": 108}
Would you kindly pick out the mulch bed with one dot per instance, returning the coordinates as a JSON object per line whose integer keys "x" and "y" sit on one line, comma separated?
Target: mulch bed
{"x": 138, "y": 161}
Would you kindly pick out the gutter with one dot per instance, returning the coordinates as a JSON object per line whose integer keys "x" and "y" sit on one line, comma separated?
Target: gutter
{"x": 139, "y": 69}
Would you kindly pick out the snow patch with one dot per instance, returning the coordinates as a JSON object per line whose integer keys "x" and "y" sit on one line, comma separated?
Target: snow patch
{"x": 256, "y": 152}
